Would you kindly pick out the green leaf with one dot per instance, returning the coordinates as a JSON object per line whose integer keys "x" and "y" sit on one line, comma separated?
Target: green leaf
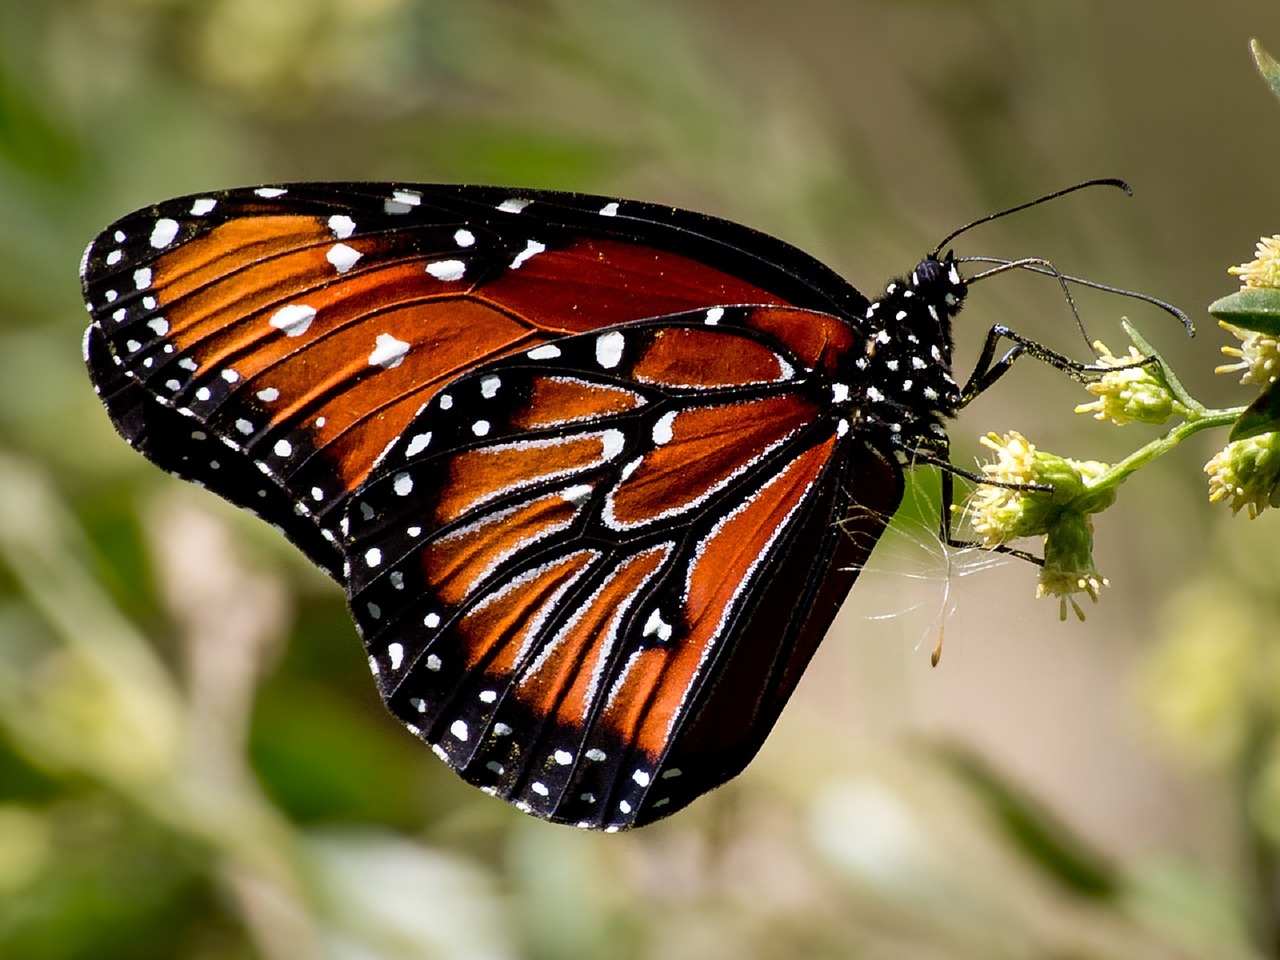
{"x": 1267, "y": 66}
{"x": 1254, "y": 308}
{"x": 1262, "y": 416}
{"x": 1035, "y": 832}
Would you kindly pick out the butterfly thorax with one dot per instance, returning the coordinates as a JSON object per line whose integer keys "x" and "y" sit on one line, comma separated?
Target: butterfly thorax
{"x": 901, "y": 381}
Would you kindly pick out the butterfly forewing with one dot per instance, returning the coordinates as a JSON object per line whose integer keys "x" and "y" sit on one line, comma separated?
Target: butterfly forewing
{"x": 302, "y": 327}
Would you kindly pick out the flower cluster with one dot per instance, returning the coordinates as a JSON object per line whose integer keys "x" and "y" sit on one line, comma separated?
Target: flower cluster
{"x": 1031, "y": 493}
{"x": 1246, "y": 474}
{"x": 1264, "y": 269}
{"x": 1257, "y": 358}
{"x": 1131, "y": 392}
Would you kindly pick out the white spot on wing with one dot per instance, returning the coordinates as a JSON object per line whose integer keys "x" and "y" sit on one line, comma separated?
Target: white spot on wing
{"x": 662, "y": 429}
{"x": 547, "y": 351}
{"x": 464, "y": 238}
{"x": 714, "y": 316}
{"x": 612, "y": 441}
{"x": 402, "y": 201}
{"x": 489, "y": 386}
{"x": 609, "y": 209}
{"x": 513, "y": 205}
{"x": 342, "y": 257}
{"x": 270, "y": 193}
{"x": 396, "y": 652}
{"x": 164, "y": 233}
{"x": 203, "y": 206}
{"x": 609, "y": 349}
{"x": 342, "y": 225}
{"x": 293, "y": 319}
{"x": 532, "y": 248}
{"x": 459, "y": 729}
{"x": 142, "y": 278}
{"x": 447, "y": 270}
{"x": 388, "y": 352}
{"x": 656, "y": 626}
{"x": 402, "y": 484}
{"x": 418, "y": 444}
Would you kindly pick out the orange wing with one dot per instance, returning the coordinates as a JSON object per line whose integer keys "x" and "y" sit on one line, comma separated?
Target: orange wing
{"x": 271, "y": 343}
{"x": 577, "y": 461}
{"x": 590, "y": 575}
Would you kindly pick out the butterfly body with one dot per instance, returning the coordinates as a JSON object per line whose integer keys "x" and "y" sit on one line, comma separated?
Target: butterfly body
{"x": 595, "y": 474}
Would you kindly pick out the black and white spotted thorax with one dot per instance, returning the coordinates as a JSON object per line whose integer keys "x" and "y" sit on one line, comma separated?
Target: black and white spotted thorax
{"x": 900, "y": 385}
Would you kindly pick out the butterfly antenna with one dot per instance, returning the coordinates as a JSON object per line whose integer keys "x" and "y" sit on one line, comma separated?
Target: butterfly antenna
{"x": 1044, "y": 267}
{"x": 1103, "y": 182}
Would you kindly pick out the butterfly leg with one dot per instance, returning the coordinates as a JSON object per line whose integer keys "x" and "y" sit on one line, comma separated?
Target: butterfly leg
{"x": 949, "y": 472}
{"x": 988, "y": 369}
{"x": 948, "y": 503}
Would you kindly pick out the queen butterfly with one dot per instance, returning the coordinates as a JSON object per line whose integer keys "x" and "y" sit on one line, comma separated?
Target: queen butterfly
{"x": 595, "y": 474}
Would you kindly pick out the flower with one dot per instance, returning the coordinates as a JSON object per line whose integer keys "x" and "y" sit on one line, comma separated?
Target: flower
{"x": 1068, "y": 563}
{"x": 1258, "y": 355}
{"x": 1264, "y": 271}
{"x": 1016, "y": 508}
{"x": 1246, "y": 473}
{"x": 1129, "y": 393}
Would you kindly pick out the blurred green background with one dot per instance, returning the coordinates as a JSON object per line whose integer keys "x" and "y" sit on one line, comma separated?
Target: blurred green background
{"x": 193, "y": 760}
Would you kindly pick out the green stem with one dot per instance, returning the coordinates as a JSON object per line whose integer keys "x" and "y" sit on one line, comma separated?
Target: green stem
{"x": 1202, "y": 420}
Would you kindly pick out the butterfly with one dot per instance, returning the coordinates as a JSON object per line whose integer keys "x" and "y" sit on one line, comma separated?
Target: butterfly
{"x": 595, "y": 474}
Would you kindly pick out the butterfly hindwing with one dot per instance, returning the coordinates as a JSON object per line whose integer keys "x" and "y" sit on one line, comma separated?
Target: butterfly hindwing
{"x": 557, "y": 563}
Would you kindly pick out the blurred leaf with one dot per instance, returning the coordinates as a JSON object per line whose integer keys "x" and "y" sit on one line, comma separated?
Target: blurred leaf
{"x": 1033, "y": 830}
{"x": 323, "y": 760}
{"x": 29, "y": 141}
{"x": 1267, "y": 66}
{"x": 1254, "y": 308}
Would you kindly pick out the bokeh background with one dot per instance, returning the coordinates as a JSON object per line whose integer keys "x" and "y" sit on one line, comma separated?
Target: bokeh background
{"x": 193, "y": 760}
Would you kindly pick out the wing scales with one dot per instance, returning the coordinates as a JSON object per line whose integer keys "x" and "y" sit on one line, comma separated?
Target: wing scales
{"x": 559, "y": 582}
{"x": 573, "y": 689}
